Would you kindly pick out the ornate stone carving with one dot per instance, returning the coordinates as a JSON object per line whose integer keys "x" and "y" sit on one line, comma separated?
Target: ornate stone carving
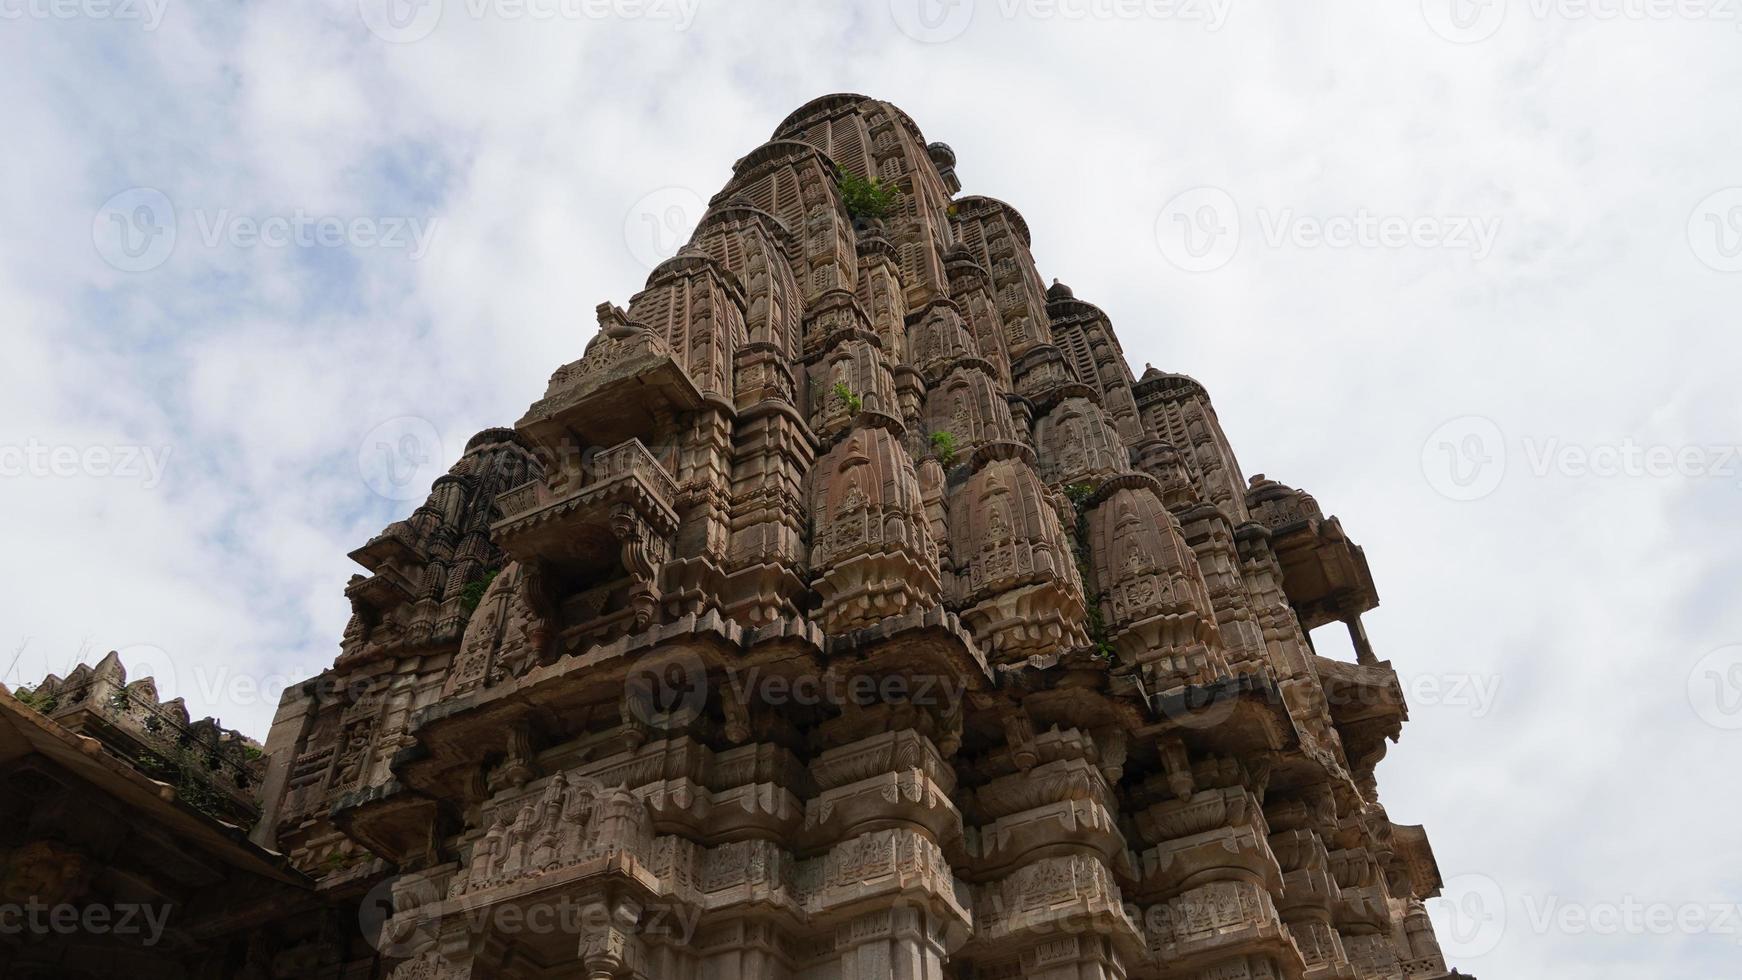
{"x": 572, "y": 819}
{"x": 1013, "y": 572}
{"x": 1077, "y": 445}
{"x": 506, "y": 634}
{"x": 871, "y": 549}
{"x": 1154, "y": 603}
{"x": 855, "y": 612}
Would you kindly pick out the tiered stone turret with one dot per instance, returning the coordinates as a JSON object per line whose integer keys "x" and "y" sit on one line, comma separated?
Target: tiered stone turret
{"x": 850, "y": 600}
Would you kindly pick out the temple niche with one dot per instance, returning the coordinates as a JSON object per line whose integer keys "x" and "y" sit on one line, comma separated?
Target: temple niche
{"x": 939, "y": 339}
{"x": 509, "y": 631}
{"x": 872, "y": 553}
{"x": 1077, "y": 444}
{"x": 1155, "y": 605}
{"x": 1013, "y": 575}
{"x": 967, "y": 406}
{"x": 757, "y": 249}
{"x": 848, "y": 369}
{"x": 844, "y": 609}
{"x": 1173, "y": 470}
{"x": 698, "y": 310}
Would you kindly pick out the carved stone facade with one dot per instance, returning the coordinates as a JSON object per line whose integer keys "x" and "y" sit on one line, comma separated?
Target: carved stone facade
{"x": 849, "y": 609}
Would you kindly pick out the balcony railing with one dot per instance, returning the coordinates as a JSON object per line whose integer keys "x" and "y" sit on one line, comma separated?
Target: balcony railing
{"x": 612, "y": 469}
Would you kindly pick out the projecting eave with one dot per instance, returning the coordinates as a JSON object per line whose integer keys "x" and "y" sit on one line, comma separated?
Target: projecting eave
{"x": 25, "y": 733}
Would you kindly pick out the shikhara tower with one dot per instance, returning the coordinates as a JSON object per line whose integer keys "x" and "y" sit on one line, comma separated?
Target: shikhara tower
{"x": 849, "y": 609}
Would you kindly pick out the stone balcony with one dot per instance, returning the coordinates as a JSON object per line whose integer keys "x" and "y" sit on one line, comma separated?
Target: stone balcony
{"x": 1367, "y": 708}
{"x": 613, "y": 520}
{"x": 1362, "y": 692}
{"x": 626, "y": 474}
{"x": 1324, "y": 573}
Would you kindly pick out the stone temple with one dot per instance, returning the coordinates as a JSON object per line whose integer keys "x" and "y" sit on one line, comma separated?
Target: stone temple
{"x": 847, "y": 608}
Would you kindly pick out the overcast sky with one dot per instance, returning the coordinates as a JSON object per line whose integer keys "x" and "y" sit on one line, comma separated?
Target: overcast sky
{"x": 1469, "y": 274}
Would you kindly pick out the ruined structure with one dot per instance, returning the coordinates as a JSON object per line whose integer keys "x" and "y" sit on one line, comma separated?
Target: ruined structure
{"x": 123, "y": 840}
{"x": 848, "y": 609}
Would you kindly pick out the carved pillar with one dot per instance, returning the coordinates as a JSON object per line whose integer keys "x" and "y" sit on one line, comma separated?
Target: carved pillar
{"x": 872, "y": 555}
{"x": 1426, "y": 960}
{"x": 1309, "y": 896}
{"x": 1216, "y": 880}
{"x": 608, "y": 945}
{"x": 1358, "y": 638}
{"x": 892, "y": 944}
{"x": 458, "y": 954}
{"x": 884, "y": 801}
